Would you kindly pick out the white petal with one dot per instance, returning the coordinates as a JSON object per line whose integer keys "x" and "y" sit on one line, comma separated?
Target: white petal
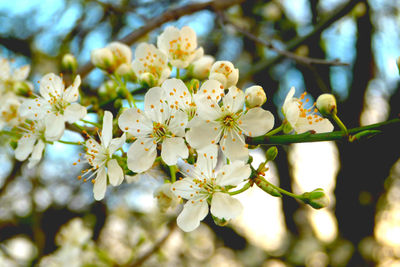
{"x": 106, "y": 132}
{"x": 233, "y": 146}
{"x": 292, "y": 113}
{"x": 74, "y": 112}
{"x": 36, "y": 154}
{"x": 172, "y": 149}
{"x": 176, "y": 91}
{"x": 203, "y": 134}
{"x": 233, "y": 174}
{"x": 289, "y": 97}
{"x": 207, "y": 108}
{"x": 21, "y": 73}
{"x": 304, "y": 125}
{"x": 257, "y": 121}
{"x": 121, "y": 51}
{"x": 115, "y": 173}
{"x": 153, "y": 106}
{"x": 191, "y": 215}
{"x": 71, "y": 93}
{"x": 100, "y": 185}
{"x": 51, "y": 85}
{"x": 163, "y": 40}
{"x": 4, "y": 69}
{"x": 116, "y": 143}
{"x": 141, "y": 155}
{"x": 207, "y": 159}
{"x": 24, "y": 147}
{"x": 135, "y": 122}
{"x": 234, "y": 99}
{"x": 212, "y": 88}
{"x": 184, "y": 188}
{"x": 178, "y": 122}
{"x": 223, "y": 206}
{"x": 34, "y": 109}
{"x": 55, "y": 126}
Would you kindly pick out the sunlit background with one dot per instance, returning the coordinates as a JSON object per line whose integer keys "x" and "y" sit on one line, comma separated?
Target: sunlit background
{"x": 361, "y": 225}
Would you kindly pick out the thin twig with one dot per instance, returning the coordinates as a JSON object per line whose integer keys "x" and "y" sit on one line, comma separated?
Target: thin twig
{"x": 169, "y": 15}
{"x": 301, "y": 59}
{"x": 156, "y": 247}
{"x": 296, "y": 42}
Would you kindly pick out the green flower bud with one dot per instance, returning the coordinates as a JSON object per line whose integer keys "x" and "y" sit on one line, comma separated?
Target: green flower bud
{"x": 219, "y": 222}
{"x": 326, "y": 104}
{"x": 316, "y": 199}
{"x": 272, "y": 152}
{"x": 287, "y": 128}
{"x": 69, "y": 63}
{"x": 22, "y": 88}
{"x": 147, "y": 79}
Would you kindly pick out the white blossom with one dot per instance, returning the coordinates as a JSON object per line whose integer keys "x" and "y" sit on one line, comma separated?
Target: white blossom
{"x": 203, "y": 184}
{"x": 9, "y": 116}
{"x": 150, "y": 65}
{"x": 54, "y": 105}
{"x": 165, "y": 197}
{"x": 73, "y": 233}
{"x": 100, "y": 157}
{"x": 225, "y": 73}
{"x": 112, "y": 56}
{"x": 326, "y": 104}
{"x": 32, "y": 142}
{"x": 227, "y": 124}
{"x": 9, "y": 77}
{"x": 179, "y": 97}
{"x": 303, "y": 119}
{"x": 159, "y": 124}
{"x": 179, "y": 45}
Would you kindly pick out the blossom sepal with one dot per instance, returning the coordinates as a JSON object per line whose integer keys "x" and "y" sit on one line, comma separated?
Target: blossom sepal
{"x": 316, "y": 198}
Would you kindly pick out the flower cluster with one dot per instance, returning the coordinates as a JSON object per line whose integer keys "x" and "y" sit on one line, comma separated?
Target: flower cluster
{"x": 194, "y": 120}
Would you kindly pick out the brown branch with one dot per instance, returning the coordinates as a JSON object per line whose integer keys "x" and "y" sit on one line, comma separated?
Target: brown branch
{"x": 11, "y": 177}
{"x": 169, "y": 15}
{"x": 156, "y": 247}
{"x": 301, "y": 59}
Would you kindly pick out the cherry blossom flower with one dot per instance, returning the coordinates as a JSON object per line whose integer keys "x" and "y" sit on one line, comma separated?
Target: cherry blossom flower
{"x": 150, "y": 65}
{"x": 255, "y": 96}
{"x": 227, "y": 124}
{"x": 225, "y": 73}
{"x": 9, "y": 110}
{"x": 100, "y": 157}
{"x": 179, "y": 96}
{"x": 203, "y": 184}
{"x": 55, "y": 105}
{"x": 179, "y": 45}
{"x": 9, "y": 77}
{"x": 158, "y": 124}
{"x": 32, "y": 142}
{"x": 165, "y": 197}
{"x": 302, "y": 119}
{"x": 112, "y": 56}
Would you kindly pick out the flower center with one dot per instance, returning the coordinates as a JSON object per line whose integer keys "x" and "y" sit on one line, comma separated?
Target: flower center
{"x": 160, "y": 131}
{"x": 311, "y": 113}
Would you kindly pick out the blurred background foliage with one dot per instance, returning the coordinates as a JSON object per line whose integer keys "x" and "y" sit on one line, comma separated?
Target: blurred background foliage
{"x": 361, "y": 227}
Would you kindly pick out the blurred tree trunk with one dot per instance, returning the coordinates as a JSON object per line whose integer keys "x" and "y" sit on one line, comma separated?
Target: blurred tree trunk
{"x": 364, "y": 164}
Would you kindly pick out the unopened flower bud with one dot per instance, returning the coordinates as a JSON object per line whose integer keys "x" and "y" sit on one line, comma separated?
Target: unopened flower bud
{"x": 316, "y": 199}
{"x": 255, "y": 96}
{"x": 271, "y": 154}
{"x": 326, "y": 104}
{"x": 23, "y": 88}
{"x": 69, "y": 63}
{"x": 220, "y": 222}
{"x": 224, "y": 72}
{"x": 125, "y": 70}
{"x": 165, "y": 198}
{"x": 103, "y": 59}
{"x": 148, "y": 79}
{"x": 200, "y": 68}
{"x": 108, "y": 89}
{"x": 287, "y": 128}
{"x": 121, "y": 52}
